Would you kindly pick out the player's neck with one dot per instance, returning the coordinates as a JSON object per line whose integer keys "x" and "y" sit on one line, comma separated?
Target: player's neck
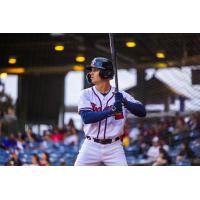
{"x": 103, "y": 87}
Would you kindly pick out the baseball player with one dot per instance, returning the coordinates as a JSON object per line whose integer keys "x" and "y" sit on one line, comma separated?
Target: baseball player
{"x": 104, "y": 113}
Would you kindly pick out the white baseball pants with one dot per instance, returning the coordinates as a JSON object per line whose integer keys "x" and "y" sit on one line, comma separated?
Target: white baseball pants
{"x": 93, "y": 154}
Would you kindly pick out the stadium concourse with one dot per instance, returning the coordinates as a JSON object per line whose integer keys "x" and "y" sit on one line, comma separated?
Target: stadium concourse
{"x": 162, "y": 141}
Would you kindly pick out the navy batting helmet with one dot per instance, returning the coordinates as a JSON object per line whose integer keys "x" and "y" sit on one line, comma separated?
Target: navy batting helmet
{"x": 105, "y": 66}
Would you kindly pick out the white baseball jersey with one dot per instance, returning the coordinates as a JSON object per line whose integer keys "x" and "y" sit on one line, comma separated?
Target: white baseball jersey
{"x": 92, "y": 99}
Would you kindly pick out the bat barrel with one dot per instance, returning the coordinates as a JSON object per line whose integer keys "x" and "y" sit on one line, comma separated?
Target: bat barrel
{"x": 114, "y": 61}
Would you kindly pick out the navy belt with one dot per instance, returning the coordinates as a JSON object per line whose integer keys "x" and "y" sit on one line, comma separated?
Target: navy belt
{"x": 103, "y": 141}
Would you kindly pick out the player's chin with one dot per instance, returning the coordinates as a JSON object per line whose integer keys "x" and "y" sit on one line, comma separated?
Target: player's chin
{"x": 93, "y": 82}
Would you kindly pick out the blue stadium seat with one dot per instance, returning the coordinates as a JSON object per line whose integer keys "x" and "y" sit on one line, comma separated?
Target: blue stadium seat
{"x": 185, "y": 162}
{"x": 194, "y": 134}
{"x": 178, "y": 138}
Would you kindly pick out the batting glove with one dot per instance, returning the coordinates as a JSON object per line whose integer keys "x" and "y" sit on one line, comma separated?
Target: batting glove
{"x": 117, "y": 107}
{"x": 119, "y": 97}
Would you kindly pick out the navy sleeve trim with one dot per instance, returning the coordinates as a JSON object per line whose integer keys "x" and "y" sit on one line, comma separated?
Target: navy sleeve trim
{"x": 86, "y": 108}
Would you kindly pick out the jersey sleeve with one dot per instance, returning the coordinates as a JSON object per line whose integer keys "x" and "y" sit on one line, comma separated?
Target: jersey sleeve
{"x": 84, "y": 101}
{"x": 130, "y": 98}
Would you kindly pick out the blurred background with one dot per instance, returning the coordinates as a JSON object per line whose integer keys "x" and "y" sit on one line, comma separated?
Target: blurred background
{"x": 41, "y": 76}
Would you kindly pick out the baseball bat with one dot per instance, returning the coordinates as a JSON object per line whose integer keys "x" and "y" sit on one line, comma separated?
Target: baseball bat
{"x": 114, "y": 61}
{"x": 113, "y": 54}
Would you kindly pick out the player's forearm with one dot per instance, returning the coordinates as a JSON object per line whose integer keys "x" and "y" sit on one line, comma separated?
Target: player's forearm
{"x": 90, "y": 117}
{"x": 135, "y": 108}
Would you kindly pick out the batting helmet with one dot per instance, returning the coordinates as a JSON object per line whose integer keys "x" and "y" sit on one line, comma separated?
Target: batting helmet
{"x": 105, "y": 66}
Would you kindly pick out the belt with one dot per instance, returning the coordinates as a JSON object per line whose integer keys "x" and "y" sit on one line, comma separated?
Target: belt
{"x": 103, "y": 141}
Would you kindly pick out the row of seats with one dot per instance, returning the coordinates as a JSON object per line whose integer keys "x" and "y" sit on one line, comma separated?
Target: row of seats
{"x": 66, "y": 154}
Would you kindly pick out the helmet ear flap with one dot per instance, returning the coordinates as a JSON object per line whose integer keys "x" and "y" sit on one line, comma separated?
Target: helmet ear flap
{"x": 106, "y": 74}
{"x": 88, "y": 77}
{"x": 101, "y": 74}
{"x": 110, "y": 74}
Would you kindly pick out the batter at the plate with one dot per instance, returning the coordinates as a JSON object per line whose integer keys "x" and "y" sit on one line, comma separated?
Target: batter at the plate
{"x": 104, "y": 112}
